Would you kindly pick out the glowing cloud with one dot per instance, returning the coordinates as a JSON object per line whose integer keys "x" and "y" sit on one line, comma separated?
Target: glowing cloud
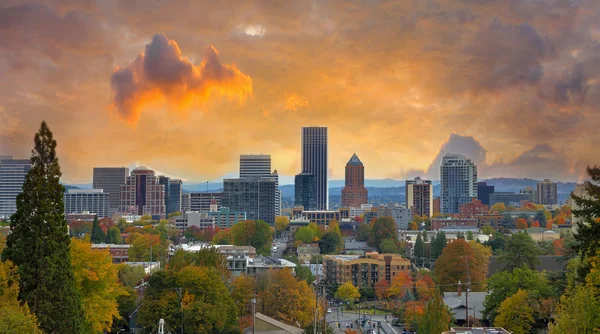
{"x": 294, "y": 102}
{"x": 162, "y": 72}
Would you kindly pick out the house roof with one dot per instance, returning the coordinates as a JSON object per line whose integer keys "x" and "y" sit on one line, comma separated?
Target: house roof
{"x": 283, "y": 328}
{"x": 458, "y": 303}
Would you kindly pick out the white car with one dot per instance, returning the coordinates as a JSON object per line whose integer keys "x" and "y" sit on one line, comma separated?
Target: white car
{"x": 274, "y": 248}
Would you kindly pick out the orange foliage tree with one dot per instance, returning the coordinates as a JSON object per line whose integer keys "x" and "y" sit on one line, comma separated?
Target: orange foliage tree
{"x": 521, "y": 223}
{"x": 401, "y": 284}
{"x": 382, "y": 289}
{"x": 559, "y": 246}
{"x": 459, "y": 255}
{"x": 535, "y": 224}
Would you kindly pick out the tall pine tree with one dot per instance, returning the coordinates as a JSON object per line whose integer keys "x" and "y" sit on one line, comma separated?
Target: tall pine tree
{"x": 39, "y": 243}
{"x": 97, "y": 236}
{"x": 587, "y": 232}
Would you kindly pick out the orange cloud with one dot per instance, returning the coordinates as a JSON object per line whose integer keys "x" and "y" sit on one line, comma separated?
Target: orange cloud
{"x": 294, "y": 102}
{"x": 161, "y": 72}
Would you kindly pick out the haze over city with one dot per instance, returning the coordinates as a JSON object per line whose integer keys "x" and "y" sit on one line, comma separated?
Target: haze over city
{"x": 121, "y": 83}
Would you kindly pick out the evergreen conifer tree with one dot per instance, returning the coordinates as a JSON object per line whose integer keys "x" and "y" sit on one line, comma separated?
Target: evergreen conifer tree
{"x": 587, "y": 230}
{"x": 98, "y": 236}
{"x": 39, "y": 243}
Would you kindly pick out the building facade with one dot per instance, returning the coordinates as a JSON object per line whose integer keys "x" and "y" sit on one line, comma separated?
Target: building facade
{"x": 508, "y": 198}
{"x": 483, "y": 192}
{"x": 201, "y": 201}
{"x": 110, "y": 180}
{"x": 475, "y": 208}
{"x": 315, "y": 161}
{"x": 402, "y": 217}
{"x": 419, "y": 196}
{"x": 363, "y": 270}
{"x": 254, "y": 195}
{"x": 305, "y": 190}
{"x": 12, "y": 176}
{"x": 175, "y": 196}
{"x": 200, "y": 220}
{"x": 321, "y": 217}
{"x": 87, "y": 200}
{"x": 225, "y": 218}
{"x": 142, "y": 194}
{"x": 185, "y": 203}
{"x": 441, "y": 223}
{"x": 259, "y": 165}
{"x": 547, "y": 192}
{"x": 458, "y": 182}
{"x": 532, "y": 193}
{"x": 354, "y": 193}
{"x": 437, "y": 207}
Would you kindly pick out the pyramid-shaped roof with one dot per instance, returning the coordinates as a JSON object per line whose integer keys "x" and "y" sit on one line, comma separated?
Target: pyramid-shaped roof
{"x": 354, "y": 161}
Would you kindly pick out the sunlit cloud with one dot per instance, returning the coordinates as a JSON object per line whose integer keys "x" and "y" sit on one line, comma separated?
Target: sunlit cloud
{"x": 294, "y": 102}
{"x": 254, "y": 30}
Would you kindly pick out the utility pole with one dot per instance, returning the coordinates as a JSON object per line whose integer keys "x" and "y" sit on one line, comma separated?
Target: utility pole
{"x": 324, "y": 330}
{"x": 467, "y": 292}
{"x": 254, "y": 314}
{"x": 316, "y": 299}
{"x": 182, "y": 323}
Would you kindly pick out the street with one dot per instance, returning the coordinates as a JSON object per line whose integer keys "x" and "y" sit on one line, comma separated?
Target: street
{"x": 342, "y": 320}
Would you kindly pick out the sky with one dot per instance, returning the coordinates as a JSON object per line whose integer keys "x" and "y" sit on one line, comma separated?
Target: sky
{"x": 185, "y": 87}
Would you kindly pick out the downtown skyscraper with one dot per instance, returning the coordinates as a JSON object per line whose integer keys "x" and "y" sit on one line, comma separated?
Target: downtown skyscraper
{"x": 458, "y": 182}
{"x": 314, "y": 161}
{"x": 110, "y": 180}
{"x": 259, "y": 165}
{"x": 419, "y": 196}
{"x": 354, "y": 193}
{"x": 12, "y": 176}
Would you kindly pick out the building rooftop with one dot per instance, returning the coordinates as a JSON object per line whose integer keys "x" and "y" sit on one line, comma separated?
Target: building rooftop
{"x": 457, "y": 303}
{"x": 354, "y": 160}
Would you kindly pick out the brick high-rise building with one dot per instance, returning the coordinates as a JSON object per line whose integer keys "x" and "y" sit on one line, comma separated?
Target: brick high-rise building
{"x": 419, "y": 197}
{"x": 354, "y": 193}
{"x": 142, "y": 194}
{"x": 436, "y": 205}
{"x": 475, "y": 208}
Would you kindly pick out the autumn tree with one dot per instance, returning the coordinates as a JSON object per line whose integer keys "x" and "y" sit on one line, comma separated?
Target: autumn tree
{"x": 281, "y": 224}
{"x": 223, "y": 237}
{"x": 305, "y": 234}
{"x": 97, "y": 281}
{"x": 521, "y": 224}
{"x": 515, "y": 314}
{"x": 255, "y": 233}
{"x": 436, "y": 317}
{"x": 462, "y": 261}
{"x": 131, "y": 276}
{"x": 401, "y": 284}
{"x": 39, "y": 243}
{"x": 520, "y": 250}
{"x": 146, "y": 247}
{"x": 283, "y": 297}
{"x": 15, "y": 316}
{"x": 414, "y": 226}
{"x": 382, "y": 289}
{"x": 383, "y": 228}
{"x": 347, "y": 292}
{"x": 499, "y": 207}
{"x": 242, "y": 292}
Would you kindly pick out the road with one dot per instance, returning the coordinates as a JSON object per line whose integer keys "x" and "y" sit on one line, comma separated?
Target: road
{"x": 346, "y": 319}
{"x": 278, "y": 254}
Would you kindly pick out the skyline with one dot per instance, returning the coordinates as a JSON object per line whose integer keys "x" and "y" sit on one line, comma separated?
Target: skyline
{"x": 517, "y": 91}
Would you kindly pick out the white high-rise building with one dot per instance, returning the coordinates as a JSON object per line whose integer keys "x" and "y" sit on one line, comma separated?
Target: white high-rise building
{"x": 87, "y": 200}
{"x": 12, "y": 176}
{"x": 259, "y": 165}
{"x": 458, "y": 182}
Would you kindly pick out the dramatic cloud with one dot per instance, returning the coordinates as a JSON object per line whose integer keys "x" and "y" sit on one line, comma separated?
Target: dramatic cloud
{"x": 294, "y": 102}
{"x": 162, "y": 72}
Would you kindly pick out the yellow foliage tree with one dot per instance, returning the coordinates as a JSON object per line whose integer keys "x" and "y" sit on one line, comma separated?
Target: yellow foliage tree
{"x": 281, "y": 223}
{"x": 515, "y": 314}
{"x": 347, "y": 292}
{"x": 97, "y": 281}
{"x": 14, "y": 317}
{"x": 498, "y": 207}
{"x": 401, "y": 284}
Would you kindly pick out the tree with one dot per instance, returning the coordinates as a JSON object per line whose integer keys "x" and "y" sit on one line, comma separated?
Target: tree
{"x": 577, "y": 313}
{"x": 499, "y": 207}
{"x": 438, "y": 244}
{"x": 414, "y": 226}
{"x": 460, "y": 262}
{"x": 174, "y": 214}
{"x": 331, "y": 243}
{"x": 363, "y": 232}
{"x": 16, "y": 318}
{"x": 126, "y": 304}
{"x": 205, "y": 257}
{"x": 540, "y": 217}
{"x": 469, "y": 235}
{"x": 255, "y": 233}
{"x": 77, "y": 228}
{"x": 435, "y": 318}
{"x": 520, "y": 251}
{"x": 114, "y": 235}
{"x": 419, "y": 249}
{"x": 281, "y": 224}
{"x": 287, "y": 299}
{"x": 146, "y": 247}
{"x": 242, "y": 292}
{"x": 521, "y": 223}
{"x": 515, "y": 313}
{"x": 39, "y": 243}
{"x": 97, "y": 233}
{"x": 131, "y": 276}
{"x": 347, "y": 292}
{"x": 383, "y": 228}
{"x": 389, "y": 246}
{"x": 424, "y": 232}
{"x": 97, "y": 281}
{"x": 535, "y": 224}
{"x": 334, "y": 226}
{"x": 487, "y": 229}
{"x": 382, "y": 289}
{"x": 401, "y": 285}
{"x": 587, "y": 232}
{"x": 504, "y": 284}
{"x": 305, "y": 234}
{"x": 223, "y": 237}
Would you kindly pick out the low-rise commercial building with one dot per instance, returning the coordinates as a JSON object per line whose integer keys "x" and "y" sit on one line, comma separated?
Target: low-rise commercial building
{"x": 200, "y": 220}
{"x": 475, "y": 208}
{"x": 225, "y": 218}
{"x": 439, "y": 223}
{"x": 321, "y": 217}
{"x": 508, "y": 198}
{"x": 119, "y": 253}
{"x": 307, "y": 251}
{"x": 363, "y": 270}
{"x": 244, "y": 265}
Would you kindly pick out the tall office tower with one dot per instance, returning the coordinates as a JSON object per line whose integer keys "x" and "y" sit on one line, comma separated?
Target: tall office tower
{"x": 12, "y": 176}
{"x": 253, "y": 195}
{"x": 110, "y": 180}
{"x": 255, "y": 165}
{"x": 459, "y": 182}
{"x": 483, "y": 192}
{"x": 354, "y": 193}
{"x": 259, "y": 165}
{"x": 532, "y": 193}
{"x": 142, "y": 194}
{"x": 165, "y": 181}
{"x": 201, "y": 201}
{"x": 547, "y": 192}
{"x": 90, "y": 200}
{"x": 314, "y": 161}
{"x": 419, "y": 197}
{"x": 185, "y": 203}
{"x": 175, "y": 196}
{"x": 305, "y": 190}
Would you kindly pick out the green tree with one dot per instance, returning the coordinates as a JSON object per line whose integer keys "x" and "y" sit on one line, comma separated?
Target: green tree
{"x": 126, "y": 304}
{"x": 438, "y": 244}
{"x": 516, "y": 313}
{"x": 304, "y": 273}
{"x": 14, "y": 317}
{"x": 305, "y": 234}
{"x": 504, "y": 284}
{"x": 469, "y": 235}
{"x": 419, "y": 251}
{"x": 540, "y": 217}
{"x": 508, "y": 221}
{"x": 39, "y": 243}
{"x": 520, "y": 251}
{"x": 114, "y": 235}
{"x": 384, "y": 228}
{"x": 205, "y": 257}
{"x": 131, "y": 276}
{"x": 424, "y": 235}
{"x": 347, "y": 292}
{"x": 487, "y": 229}
{"x": 363, "y": 232}
{"x": 436, "y": 317}
{"x": 389, "y": 246}
{"x": 331, "y": 243}
{"x": 98, "y": 236}
{"x": 496, "y": 242}
{"x": 587, "y": 234}
{"x": 255, "y": 233}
